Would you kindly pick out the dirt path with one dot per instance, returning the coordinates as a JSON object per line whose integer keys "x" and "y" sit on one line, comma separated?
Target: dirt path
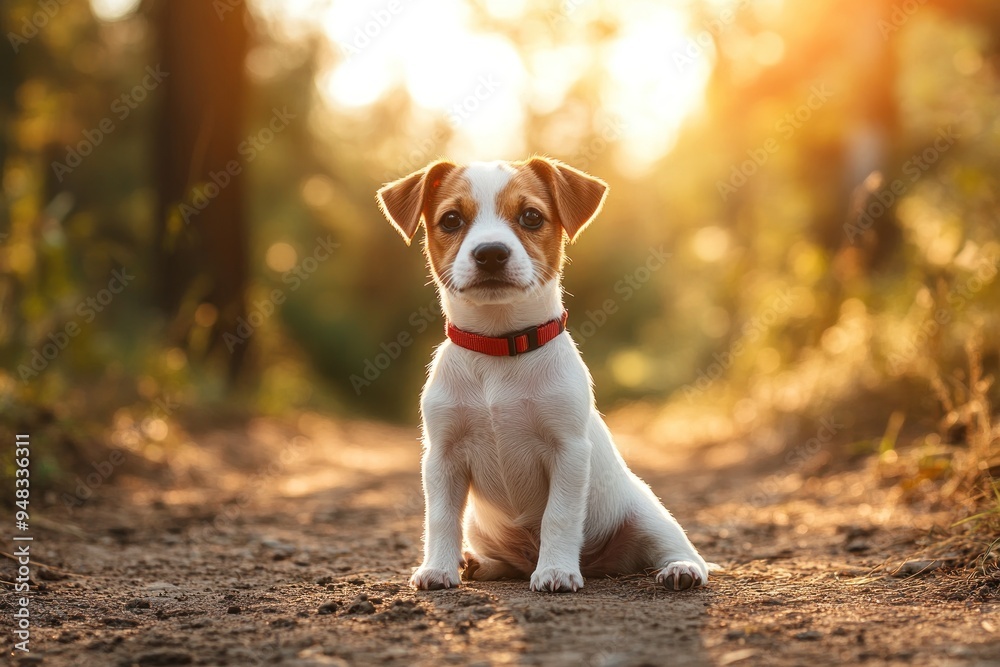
{"x": 291, "y": 544}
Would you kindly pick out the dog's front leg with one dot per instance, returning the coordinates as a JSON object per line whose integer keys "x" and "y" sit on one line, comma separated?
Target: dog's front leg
{"x": 446, "y": 488}
{"x": 558, "y": 568}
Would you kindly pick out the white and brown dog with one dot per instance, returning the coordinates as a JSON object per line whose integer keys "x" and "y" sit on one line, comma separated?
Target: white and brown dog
{"x": 512, "y": 438}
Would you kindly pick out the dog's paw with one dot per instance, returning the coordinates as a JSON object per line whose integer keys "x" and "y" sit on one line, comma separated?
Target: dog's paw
{"x": 481, "y": 568}
{"x": 556, "y": 580}
{"x": 681, "y": 575}
{"x": 433, "y": 579}
{"x": 470, "y": 567}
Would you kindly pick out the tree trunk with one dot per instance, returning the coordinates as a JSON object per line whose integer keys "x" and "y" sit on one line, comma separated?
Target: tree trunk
{"x": 202, "y": 233}
{"x": 10, "y": 79}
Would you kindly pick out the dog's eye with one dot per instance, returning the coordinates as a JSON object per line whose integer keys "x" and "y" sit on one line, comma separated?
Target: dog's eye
{"x": 531, "y": 218}
{"x": 451, "y": 221}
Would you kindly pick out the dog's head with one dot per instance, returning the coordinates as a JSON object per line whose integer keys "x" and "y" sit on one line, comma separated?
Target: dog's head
{"x": 494, "y": 230}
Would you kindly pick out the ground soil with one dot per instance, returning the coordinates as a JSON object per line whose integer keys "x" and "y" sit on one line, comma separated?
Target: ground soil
{"x": 290, "y": 542}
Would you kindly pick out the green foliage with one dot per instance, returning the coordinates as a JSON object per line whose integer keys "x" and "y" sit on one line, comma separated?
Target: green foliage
{"x": 798, "y": 277}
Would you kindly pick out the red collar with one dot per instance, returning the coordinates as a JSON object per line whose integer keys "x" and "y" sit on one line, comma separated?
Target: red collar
{"x": 510, "y": 345}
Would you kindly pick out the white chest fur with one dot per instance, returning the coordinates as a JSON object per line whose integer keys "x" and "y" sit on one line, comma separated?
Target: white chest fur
{"x": 507, "y": 419}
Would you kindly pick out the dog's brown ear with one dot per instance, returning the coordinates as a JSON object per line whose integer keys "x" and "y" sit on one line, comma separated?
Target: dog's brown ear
{"x": 578, "y": 195}
{"x": 403, "y": 201}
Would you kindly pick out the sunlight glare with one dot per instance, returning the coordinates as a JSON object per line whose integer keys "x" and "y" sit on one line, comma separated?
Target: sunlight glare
{"x": 470, "y": 79}
{"x": 354, "y": 86}
{"x": 656, "y": 78}
{"x": 281, "y": 257}
{"x": 768, "y": 48}
{"x": 505, "y": 9}
{"x": 113, "y": 10}
{"x": 552, "y": 75}
{"x": 292, "y": 19}
{"x": 478, "y": 81}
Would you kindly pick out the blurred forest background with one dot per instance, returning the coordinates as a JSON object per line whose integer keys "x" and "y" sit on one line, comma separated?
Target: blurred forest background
{"x": 802, "y": 222}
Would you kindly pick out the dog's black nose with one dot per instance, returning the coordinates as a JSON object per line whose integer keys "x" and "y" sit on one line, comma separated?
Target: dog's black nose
{"x": 491, "y": 257}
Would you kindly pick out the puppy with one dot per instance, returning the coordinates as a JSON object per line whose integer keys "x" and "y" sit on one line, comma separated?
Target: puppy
{"x": 512, "y": 439}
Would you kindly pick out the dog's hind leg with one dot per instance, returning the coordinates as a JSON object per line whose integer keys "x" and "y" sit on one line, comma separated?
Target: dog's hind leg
{"x": 481, "y": 568}
{"x": 676, "y": 563}
{"x": 512, "y": 553}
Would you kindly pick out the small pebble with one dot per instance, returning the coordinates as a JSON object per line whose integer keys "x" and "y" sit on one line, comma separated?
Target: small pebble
{"x": 361, "y": 607}
{"x": 234, "y": 610}
{"x": 328, "y": 607}
{"x": 809, "y": 635}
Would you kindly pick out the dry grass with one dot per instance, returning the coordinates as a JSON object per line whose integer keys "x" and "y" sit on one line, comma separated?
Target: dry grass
{"x": 967, "y": 468}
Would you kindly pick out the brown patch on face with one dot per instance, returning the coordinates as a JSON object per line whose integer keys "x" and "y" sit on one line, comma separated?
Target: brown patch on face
{"x": 544, "y": 245}
{"x": 453, "y": 193}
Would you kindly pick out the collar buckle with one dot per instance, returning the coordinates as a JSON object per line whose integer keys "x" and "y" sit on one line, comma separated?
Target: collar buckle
{"x": 531, "y": 339}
